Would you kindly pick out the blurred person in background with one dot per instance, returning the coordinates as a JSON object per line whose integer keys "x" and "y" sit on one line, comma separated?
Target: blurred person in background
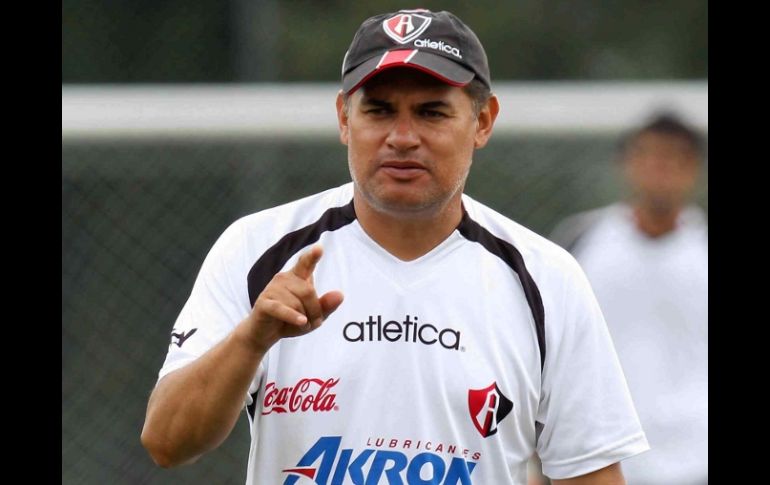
{"x": 647, "y": 261}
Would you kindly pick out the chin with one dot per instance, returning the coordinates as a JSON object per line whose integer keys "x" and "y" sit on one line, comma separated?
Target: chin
{"x": 404, "y": 205}
{"x": 404, "y": 202}
{"x": 662, "y": 205}
{"x": 405, "y": 199}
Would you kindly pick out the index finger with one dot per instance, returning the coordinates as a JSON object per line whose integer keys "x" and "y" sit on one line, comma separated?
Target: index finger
{"x": 306, "y": 263}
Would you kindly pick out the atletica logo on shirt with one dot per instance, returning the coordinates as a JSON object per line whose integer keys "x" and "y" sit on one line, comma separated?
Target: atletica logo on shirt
{"x": 488, "y": 407}
{"x": 326, "y": 464}
{"x": 306, "y": 395}
{"x": 407, "y": 330}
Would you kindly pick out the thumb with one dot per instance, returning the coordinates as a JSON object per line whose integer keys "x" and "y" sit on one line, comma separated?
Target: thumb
{"x": 330, "y": 302}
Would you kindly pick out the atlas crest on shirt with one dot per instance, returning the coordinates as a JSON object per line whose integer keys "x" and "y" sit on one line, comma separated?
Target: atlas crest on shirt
{"x": 488, "y": 407}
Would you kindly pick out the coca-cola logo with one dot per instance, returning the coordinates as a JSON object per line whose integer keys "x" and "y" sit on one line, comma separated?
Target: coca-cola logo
{"x": 309, "y": 394}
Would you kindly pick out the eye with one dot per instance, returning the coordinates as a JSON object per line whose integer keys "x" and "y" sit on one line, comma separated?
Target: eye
{"x": 432, "y": 113}
{"x": 379, "y": 111}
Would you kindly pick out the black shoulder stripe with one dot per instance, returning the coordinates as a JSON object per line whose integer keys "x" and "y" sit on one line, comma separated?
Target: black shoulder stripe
{"x": 472, "y": 231}
{"x": 273, "y": 260}
{"x": 252, "y": 408}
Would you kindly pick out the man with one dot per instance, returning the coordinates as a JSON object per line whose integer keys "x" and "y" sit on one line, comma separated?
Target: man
{"x": 647, "y": 260}
{"x": 464, "y": 342}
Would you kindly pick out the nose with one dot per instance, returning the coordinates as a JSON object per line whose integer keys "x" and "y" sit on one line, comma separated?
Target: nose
{"x": 403, "y": 133}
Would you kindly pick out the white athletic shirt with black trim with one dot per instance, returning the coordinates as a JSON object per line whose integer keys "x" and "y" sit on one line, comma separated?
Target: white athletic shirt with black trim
{"x": 453, "y": 368}
{"x": 654, "y": 295}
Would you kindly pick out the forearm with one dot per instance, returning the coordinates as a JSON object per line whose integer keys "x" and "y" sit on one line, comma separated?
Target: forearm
{"x": 192, "y": 410}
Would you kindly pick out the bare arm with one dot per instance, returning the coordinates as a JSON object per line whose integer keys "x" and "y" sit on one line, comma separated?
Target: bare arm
{"x": 193, "y": 409}
{"x": 611, "y": 475}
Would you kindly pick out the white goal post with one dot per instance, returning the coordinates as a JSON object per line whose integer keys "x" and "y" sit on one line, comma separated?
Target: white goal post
{"x": 223, "y": 111}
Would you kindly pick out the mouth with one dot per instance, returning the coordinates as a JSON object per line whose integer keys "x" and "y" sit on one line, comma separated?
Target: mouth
{"x": 403, "y": 170}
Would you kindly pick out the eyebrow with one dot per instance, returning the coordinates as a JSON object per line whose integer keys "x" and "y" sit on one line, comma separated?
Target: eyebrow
{"x": 375, "y": 102}
{"x": 386, "y": 104}
{"x": 435, "y": 104}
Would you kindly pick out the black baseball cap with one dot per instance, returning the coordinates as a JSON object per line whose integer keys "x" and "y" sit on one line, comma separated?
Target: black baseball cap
{"x": 438, "y": 43}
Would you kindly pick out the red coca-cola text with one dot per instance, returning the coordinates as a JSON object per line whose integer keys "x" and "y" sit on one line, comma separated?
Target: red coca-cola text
{"x": 309, "y": 394}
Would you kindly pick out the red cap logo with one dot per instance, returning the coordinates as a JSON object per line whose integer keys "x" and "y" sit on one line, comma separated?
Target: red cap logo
{"x": 405, "y": 27}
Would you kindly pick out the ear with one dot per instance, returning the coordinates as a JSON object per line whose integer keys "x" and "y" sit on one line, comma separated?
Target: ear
{"x": 342, "y": 118}
{"x": 486, "y": 121}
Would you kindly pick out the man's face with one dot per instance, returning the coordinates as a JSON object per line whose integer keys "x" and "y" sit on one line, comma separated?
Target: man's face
{"x": 410, "y": 141}
{"x": 661, "y": 169}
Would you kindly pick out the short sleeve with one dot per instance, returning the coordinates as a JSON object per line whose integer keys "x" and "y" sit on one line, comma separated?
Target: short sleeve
{"x": 586, "y": 419}
{"x": 218, "y": 302}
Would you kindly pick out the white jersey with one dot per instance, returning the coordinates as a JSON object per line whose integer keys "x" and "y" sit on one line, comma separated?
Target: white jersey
{"x": 449, "y": 369}
{"x": 654, "y": 295}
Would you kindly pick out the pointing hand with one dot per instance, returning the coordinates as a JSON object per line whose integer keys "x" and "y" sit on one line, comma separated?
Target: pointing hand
{"x": 289, "y": 305}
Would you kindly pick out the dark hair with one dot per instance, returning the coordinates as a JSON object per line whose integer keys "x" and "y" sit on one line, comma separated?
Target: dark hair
{"x": 477, "y": 90}
{"x": 671, "y": 125}
{"x": 479, "y": 93}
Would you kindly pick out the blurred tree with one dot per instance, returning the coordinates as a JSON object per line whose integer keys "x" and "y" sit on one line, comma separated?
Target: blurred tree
{"x": 146, "y": 41}
{"x": 303, "y": 40}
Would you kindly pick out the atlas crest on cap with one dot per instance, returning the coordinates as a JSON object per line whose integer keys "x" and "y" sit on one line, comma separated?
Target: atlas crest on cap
{"x": 402, "y": 28}
{"x": 437, "y": 43}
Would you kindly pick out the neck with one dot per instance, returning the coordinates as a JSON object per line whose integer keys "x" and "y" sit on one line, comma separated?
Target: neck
{"x": 655, "y": 222}
{"x": 408, "y": 236}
